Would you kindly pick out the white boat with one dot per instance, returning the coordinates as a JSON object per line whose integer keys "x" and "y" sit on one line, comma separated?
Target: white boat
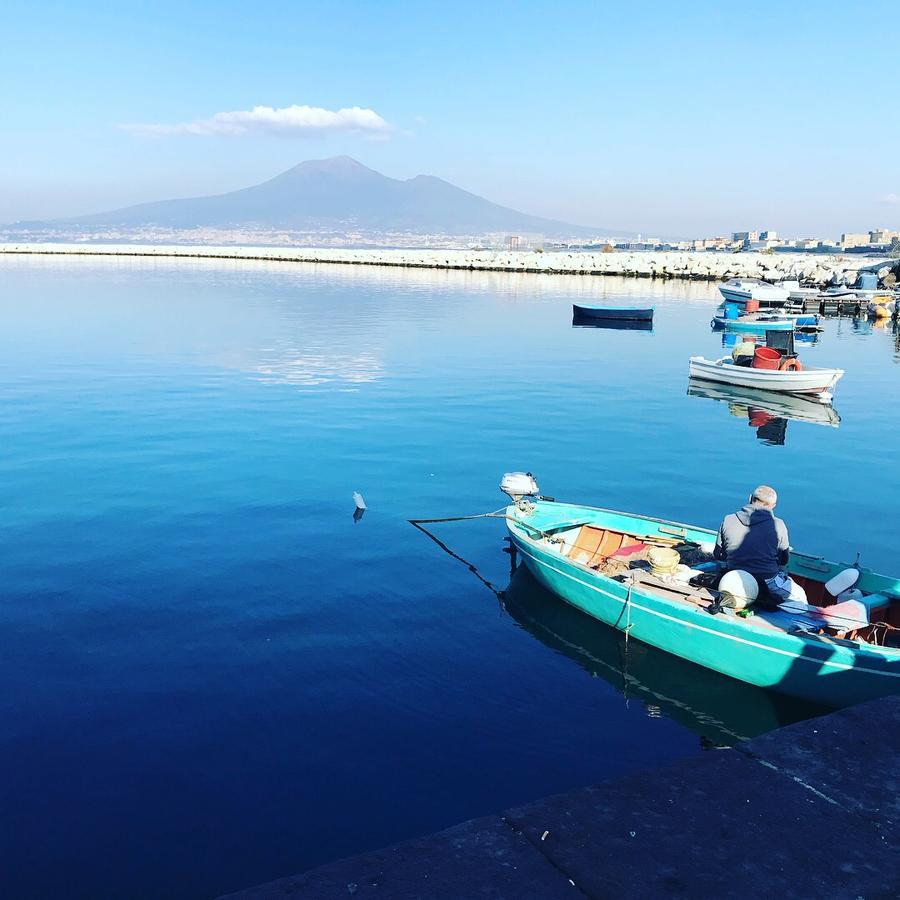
{"x": 807, "y": 380}
{"x": 740, "y": 290}
{"x": 796, "y": 292}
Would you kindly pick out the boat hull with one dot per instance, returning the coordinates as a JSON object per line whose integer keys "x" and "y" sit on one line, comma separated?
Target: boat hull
{"x": 741, "y": 290}
{"x": 614, "y": 313}
{"x": 816, "y": 670}
{"x": 757, "y": 326}
{"x": 815, "y": 382}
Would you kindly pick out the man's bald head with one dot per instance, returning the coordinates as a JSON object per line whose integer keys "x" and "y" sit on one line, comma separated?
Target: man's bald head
{"x": 764, "y": 496}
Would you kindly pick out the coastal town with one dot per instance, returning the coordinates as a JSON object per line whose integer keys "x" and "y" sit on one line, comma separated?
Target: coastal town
{"x": 878, "y": 241}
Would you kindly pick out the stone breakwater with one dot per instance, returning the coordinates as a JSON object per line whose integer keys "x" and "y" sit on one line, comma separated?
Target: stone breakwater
{"x": 814, "y": 268}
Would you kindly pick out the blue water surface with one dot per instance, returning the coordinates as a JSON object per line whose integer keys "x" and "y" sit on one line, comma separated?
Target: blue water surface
{"x": 213, "y": 676}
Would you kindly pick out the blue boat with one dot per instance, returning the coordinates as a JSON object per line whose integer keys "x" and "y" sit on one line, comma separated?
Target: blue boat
{"x": 614, "y": 313}
{"x": 803, "y": 320}
{"x": 803, "y": 654}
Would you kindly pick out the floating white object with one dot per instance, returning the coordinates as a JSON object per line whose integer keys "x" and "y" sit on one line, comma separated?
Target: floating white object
{"x": 842, "y": 581}
{"x": 517, "y": 485}
{"x": 358, "y": 500}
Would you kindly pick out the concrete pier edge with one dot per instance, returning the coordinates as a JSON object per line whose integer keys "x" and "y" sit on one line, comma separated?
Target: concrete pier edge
{"x": 809, "y": 810}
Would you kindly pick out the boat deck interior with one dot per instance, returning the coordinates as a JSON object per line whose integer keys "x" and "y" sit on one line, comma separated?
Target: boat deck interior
{"x": 624, "y": 556}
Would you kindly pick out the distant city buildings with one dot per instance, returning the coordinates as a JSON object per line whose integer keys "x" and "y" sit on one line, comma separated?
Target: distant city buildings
{"x": 878, "y": 240}
{"x": 883, "y": 236}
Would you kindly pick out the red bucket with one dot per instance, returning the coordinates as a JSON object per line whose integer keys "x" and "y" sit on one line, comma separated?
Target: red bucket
{"x": 765, "y": 358}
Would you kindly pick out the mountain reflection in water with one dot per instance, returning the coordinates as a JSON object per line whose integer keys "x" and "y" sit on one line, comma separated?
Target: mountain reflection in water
{"x": 720, "y": 710}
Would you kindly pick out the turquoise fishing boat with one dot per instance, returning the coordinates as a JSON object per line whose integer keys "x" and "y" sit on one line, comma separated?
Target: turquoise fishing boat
{"x": 809, "y": 655}
{"x": 753, "y": 324}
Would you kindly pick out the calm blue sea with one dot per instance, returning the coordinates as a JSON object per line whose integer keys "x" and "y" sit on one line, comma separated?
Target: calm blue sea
{"x": 213, "y": 676}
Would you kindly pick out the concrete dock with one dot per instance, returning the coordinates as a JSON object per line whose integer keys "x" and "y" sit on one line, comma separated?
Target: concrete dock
{"x": 810, "y": 810}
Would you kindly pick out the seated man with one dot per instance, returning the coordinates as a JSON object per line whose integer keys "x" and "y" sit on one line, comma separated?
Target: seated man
{"x": 755, "y": 540}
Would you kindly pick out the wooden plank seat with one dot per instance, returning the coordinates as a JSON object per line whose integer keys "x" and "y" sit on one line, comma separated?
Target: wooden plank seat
{"x": 593, "y": 546}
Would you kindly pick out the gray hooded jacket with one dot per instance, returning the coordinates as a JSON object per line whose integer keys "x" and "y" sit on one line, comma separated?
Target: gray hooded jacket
{"x": 753, "y": 539}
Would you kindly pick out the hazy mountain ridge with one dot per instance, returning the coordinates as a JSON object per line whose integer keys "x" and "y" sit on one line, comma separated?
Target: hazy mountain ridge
{"x": 338, "y": 193}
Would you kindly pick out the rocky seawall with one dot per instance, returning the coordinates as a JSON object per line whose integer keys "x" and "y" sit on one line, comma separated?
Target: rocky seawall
{"x": 810, "y": 268}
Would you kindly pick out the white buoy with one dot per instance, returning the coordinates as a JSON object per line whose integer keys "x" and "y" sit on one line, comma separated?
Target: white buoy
{"x": 358, "y": 500}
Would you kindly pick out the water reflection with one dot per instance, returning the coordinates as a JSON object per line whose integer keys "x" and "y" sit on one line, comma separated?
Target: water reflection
{"x": 579, "y": 320}
{"x": 765, "y": 411}
{"x": 720, "y": 710}
{"x": 309, "y": 370}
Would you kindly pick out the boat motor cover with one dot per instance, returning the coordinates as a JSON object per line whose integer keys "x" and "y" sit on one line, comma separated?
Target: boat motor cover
{"x": 842, "y": 581}
{"x": 518, "y": 485}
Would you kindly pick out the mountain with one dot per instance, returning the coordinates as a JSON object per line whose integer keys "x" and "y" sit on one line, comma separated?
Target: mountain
{"x": 337, "y": 194}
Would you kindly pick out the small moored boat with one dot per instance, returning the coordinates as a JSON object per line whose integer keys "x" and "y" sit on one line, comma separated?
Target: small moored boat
{"x": 797, "y": 379}
{"x": 754, "y": 323}
{"x": 740, "y": 290}
{"x": 587, "y": 557}
{"x": 614, "y": 313}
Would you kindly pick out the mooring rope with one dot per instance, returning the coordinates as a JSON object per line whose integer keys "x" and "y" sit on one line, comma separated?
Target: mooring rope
{"x": 488, "y": 515}
{"x": 495, "y": 591}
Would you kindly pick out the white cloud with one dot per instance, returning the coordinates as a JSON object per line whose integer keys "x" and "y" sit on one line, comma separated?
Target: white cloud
{"x": 290, "y": 121}
{"x": 891, "y": 198}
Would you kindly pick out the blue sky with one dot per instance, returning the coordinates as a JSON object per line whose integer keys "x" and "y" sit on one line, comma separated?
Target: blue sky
{"x": 683, "y": 119}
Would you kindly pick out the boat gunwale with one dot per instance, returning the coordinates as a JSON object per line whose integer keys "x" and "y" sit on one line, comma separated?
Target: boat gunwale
{"x": 597, "y": 308}
{"x": 721, "y": 363}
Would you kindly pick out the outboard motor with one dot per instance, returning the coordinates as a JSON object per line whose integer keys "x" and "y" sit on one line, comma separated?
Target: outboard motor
{"x": 519, "y": 485}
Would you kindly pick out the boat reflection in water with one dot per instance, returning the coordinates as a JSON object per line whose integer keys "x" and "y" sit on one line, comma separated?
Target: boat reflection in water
{"x": 580, "y": 320}
{"x": 720, "y": 710}
{"x": 766, "y": 411}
